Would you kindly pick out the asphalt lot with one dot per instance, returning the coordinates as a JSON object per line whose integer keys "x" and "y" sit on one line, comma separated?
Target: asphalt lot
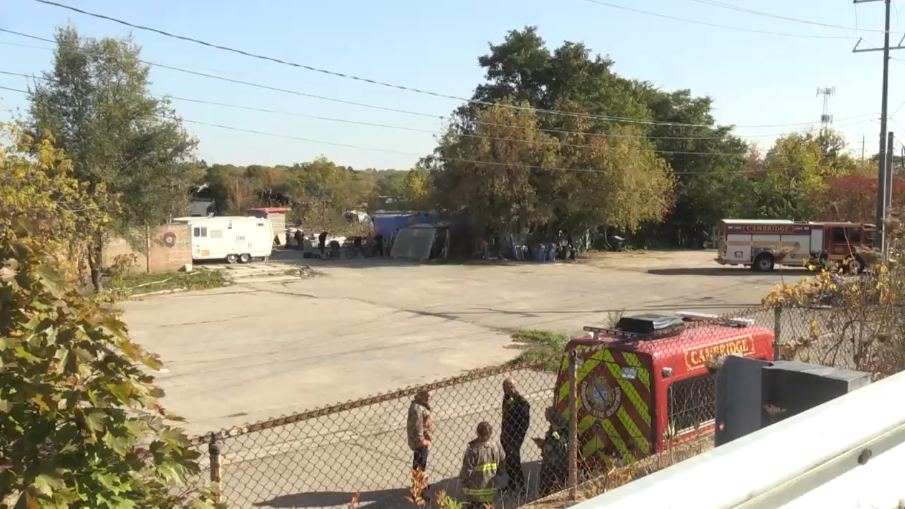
{"x": 271, "y": 344}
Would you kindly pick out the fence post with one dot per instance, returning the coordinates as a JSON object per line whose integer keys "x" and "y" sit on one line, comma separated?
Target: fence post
{"x": 573, "y": 425}
{"x": 214, "y": 450}
{"x": 777, "y": 332}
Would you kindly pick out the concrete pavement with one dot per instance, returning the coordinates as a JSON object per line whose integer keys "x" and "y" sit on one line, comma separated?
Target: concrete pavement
{"x": 275, "y": 344}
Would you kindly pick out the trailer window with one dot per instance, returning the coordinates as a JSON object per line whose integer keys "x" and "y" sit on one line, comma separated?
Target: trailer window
{"x": 216, "y": 234}
{"x": 200, "y": 231}
{"x": 691, "y": 403}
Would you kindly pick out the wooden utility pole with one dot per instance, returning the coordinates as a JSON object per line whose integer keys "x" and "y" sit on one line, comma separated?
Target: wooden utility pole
{"x": 881, "y": 173}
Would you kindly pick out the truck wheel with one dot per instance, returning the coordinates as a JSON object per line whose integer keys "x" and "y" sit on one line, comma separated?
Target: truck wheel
{"x": 763, "y": 263}
{"x": 244, "y": 258}
{"x": 232, "y": 259}
{"x": 856, "y": 266}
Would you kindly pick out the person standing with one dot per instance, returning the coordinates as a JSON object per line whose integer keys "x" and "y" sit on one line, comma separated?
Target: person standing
{"x": 515, "y": 422}
{"x": 322, "y": 242}
{"x": 378, "y": 244}
{"x": 554, "y": 468}
{"x": 479, "y": 468}
{"x": 299, "y": 239}
{"x": 418, "y": 428}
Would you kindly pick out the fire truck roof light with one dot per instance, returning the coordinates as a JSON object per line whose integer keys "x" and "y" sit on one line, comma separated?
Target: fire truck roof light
{"x": 704, "y": 317}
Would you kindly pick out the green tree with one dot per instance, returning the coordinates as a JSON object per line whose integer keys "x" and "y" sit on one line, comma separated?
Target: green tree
{"x": 81, "y": 425}
{"x": 95, "y": 103}
{"x": 793, "y": 179}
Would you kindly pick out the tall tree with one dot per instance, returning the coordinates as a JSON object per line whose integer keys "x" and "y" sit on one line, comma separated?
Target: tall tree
{"x": 96, "y": 104}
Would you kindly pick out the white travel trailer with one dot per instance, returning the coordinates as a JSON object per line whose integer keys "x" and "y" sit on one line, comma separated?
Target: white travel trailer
{"x": 231, "y": 238}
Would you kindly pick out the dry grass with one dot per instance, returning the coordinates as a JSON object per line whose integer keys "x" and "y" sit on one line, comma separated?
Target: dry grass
{"x": 620, "y": 476}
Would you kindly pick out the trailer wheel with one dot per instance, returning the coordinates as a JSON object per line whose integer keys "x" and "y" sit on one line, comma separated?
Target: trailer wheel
{"x": 232, "y": 259}
{"x": 244, "y": 258}
{"x": 763, "y": 263}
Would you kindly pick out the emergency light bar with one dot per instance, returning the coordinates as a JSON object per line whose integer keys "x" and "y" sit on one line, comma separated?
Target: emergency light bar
{"x": 704, "y": 317}
{"x": 632, "y": 336}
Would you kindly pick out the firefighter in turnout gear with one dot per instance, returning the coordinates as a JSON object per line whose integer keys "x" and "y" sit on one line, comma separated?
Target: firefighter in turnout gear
{"x": 514, "y": 427}
{"x": 479, "y": 468}
{"x": 418, "y": 429}
{"x": 554, "y": 468}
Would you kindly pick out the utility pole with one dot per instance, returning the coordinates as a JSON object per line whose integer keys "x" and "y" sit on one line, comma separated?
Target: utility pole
{"x": 862, "y": 148}
{"x": 881, "y": 174}
{"x": 825, "y": 118}
{"x": 890, "y": 157}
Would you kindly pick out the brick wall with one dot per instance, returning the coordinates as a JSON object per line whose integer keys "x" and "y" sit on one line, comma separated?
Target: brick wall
{"x": 171, "y": 249}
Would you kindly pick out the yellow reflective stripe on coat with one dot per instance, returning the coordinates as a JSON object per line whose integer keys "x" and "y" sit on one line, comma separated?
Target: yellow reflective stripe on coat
{"x": 482, "y": 494}
{"x": 487, "y": 467}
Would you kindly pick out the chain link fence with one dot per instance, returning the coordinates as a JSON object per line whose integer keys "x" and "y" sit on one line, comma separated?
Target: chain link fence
{"x": 625, "y": 423}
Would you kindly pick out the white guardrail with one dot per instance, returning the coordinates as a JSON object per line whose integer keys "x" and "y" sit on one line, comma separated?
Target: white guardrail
{"x": 847, "y": 453}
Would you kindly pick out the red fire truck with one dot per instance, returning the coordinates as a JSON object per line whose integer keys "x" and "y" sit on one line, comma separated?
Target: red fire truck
{"x": 646, "y": 383}
{"x": 763, "y": 243}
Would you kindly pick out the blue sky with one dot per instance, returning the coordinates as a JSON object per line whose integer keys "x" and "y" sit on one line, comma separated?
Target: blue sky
{"x": 755, "y": 79}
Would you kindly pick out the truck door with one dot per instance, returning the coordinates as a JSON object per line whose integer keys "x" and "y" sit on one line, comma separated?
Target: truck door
{"x": 614, "y": 405}
{"x": 842, "y": 241}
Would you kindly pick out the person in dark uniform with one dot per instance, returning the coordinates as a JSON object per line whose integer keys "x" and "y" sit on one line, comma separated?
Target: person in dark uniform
{"x": 322, "y": 242}
{"x": 554, "y": 467}
{"x": 299, "y": 239}
{"x": 356, "y": 243}
{"x": 515, "y": 422}
{"x": 378, "y": 244}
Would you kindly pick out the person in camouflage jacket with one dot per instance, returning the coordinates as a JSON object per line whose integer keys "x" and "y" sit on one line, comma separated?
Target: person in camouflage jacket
{"x": 479, "y": 468}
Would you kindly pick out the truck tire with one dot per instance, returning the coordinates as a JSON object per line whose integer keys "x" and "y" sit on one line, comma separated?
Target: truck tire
{"x": 856, "y": 266}
{"x": 763, "y": 263}
{"x": 232, "y": 259}
{"x": 244, "y": 258}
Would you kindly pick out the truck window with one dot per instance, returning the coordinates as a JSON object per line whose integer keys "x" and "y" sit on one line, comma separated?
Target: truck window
{"x": 854, "y": 236}
{"x": 839, "y": 235}
{"x": 691, "y": 403}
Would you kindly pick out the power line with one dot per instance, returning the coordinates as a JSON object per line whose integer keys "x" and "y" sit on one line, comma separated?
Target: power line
{"x": 704, "y": 23}
{"x": 755, "y": 12}
{"x": 387, "y": 126}
{"x": 368, "y": 80}
{"x": 405, "y": 128}
{"x": 409, "y": 112}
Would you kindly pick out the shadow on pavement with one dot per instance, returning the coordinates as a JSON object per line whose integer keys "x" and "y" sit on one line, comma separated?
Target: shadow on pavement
{"x": 396, "y": 498}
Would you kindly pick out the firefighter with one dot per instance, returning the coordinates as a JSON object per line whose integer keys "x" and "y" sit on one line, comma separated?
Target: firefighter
{"x": 515, "y": 422}
{"x": 479, "y": 468}
{"x": 554, "y": 468}
{"x": 418, "y": 429}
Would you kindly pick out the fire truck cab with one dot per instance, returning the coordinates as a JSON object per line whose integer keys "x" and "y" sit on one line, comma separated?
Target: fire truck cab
{"x": 646, "y": 384}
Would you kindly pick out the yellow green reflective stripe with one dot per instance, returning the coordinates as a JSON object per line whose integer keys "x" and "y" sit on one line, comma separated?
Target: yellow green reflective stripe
{"x": 617, "y": 440}
{"x": 591, "y": 446}
{"x": 638, "y": 402}
{"x": 643, "y": 375}
{"x": 482, "y": 494}
{"x": 487, "y": 467}
{"x": 586, "y": 368}
{"x": 633, "y": 430}
{"x": 585, "y": 423}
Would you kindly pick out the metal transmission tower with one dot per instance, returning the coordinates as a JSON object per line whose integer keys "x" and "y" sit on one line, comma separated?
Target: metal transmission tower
{"x": 826, "y": 119}
{"x": 881, "y": 175}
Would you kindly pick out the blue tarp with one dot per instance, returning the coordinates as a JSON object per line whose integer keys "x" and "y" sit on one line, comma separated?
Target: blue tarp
{"x": 386, "y": 224}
